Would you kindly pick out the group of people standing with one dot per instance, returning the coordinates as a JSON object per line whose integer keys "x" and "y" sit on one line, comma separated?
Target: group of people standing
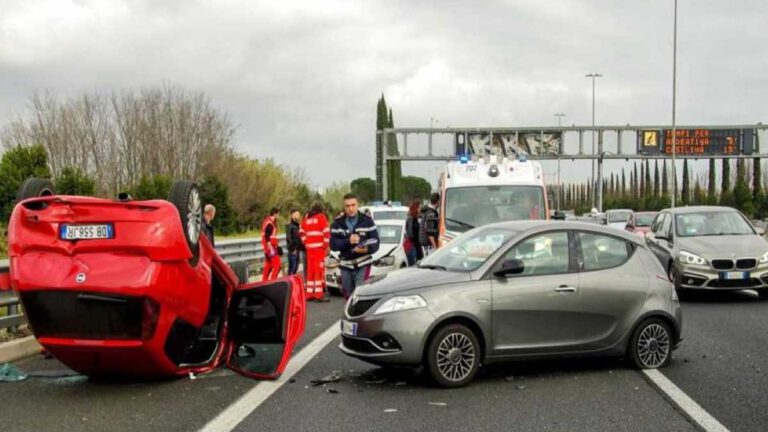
{"x": 352, "y": 234}
{"x": 309, "y": 237}
{"x": 422, "y": 229}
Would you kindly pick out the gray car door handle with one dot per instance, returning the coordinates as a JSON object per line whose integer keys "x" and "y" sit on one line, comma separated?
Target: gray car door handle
{"x": 565, "y": 288}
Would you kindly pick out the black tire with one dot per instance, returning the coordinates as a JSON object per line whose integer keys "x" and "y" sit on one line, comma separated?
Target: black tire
{"x": 651, "y": 344}
{"x": 185, "y": 195}
{"x": 35, "y": 187}
{"x": 763, "y": 293}
{"x": 241, "y": 271}
{"x": 453, "y": 356}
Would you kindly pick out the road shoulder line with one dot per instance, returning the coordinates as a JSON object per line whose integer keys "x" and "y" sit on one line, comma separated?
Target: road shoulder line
{"x": 693, "y": 411}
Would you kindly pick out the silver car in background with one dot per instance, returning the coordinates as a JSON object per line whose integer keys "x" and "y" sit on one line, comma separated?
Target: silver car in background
{"x": 710, "y": 248}
{"x": 517, "y": 290}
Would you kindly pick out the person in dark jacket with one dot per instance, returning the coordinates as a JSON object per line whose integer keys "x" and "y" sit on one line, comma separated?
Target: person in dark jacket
{"x": 208, "y": 214}
{"x": 293, "y": 240}
{"x": 413, "y": 249}
{"x": 430, "y": 223}
{"x": 355, "y": 237}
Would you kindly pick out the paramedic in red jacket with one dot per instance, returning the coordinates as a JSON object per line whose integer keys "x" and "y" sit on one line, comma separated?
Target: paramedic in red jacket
{"x": 269, "y": 244}
{"x": 315, "y": 235}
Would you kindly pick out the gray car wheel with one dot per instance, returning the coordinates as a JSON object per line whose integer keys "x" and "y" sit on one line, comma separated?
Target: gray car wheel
{"x": 453, "y": 356}
{"x": 651, "y": 345}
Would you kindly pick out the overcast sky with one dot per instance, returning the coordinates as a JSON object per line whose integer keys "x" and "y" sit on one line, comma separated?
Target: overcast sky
{"x": 301, "y": 78}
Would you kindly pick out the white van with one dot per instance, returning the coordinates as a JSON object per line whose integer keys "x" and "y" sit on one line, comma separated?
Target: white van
{"x": 490, "y": 189}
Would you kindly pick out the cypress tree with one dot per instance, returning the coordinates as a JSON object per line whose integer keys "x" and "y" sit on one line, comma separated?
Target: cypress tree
{"x": 726, "y": 194}
{"x": 711, "y": 183}
{"x": 648, "y": 187}
{"x": 685, "y": 193}
{"x": 741, "y": 194}
{"x": 757, "y": 183}
{"x": 394, "y": 169}
{"x": 664, "y": 179}
{"x": 613, "y": 187}
{"x": 636, "y": 185}
{"x": 699, "y": 197}
{"x": 656, "y": 184}
{"x": 623, "y": 184}
{"x": 641, "y": 194}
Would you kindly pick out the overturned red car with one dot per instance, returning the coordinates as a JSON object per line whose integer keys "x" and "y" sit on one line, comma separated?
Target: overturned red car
{"x": 131, "y": 288}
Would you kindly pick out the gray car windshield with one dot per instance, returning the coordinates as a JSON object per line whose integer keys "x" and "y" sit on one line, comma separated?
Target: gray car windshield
{"x": 468, "y": 251}
{"x": 469, "y": 207}
{"x": 712, "y": 224}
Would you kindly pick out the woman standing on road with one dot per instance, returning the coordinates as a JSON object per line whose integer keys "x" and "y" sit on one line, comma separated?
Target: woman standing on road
{"x": 412, "y": 247}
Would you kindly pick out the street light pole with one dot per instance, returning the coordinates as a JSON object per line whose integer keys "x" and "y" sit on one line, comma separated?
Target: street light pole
{"x": 674, "y": 108}
{"x": 594, "y": 180}
{"x": 559, "y": 185}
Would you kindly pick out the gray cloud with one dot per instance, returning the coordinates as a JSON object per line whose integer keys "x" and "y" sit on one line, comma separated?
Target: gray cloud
{"x": 301, "y": 78}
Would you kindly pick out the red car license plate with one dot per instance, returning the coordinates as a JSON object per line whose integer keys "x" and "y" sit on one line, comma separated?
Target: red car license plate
{"x": 86, "y": 232}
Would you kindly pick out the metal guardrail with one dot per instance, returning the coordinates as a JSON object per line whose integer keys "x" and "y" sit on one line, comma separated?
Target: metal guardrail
{"x": 248, "y": 250}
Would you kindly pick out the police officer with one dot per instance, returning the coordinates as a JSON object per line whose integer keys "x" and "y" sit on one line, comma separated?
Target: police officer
{"x": 355, "y": 237}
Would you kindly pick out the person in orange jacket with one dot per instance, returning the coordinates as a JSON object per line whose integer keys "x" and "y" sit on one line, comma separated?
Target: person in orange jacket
{"x": 270, "y": 246}
{"x": 315, "y": 234}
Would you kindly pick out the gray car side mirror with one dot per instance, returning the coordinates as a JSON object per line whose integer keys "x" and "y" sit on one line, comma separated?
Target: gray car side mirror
{"x": 510, "y": 267}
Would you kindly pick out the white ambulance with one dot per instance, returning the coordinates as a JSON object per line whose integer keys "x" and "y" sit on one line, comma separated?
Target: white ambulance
{"x": 484, "y": 190}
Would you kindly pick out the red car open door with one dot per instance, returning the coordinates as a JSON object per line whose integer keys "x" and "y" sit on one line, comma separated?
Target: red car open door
{"x": 266, "y": 319}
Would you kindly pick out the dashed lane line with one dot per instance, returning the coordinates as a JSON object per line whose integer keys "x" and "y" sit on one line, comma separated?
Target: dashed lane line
{"x": 228, "y": 419}
{"x": 695, "y": 413}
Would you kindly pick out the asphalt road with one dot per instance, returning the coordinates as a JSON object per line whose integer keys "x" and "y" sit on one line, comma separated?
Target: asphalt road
{"x": 722, "y": 365}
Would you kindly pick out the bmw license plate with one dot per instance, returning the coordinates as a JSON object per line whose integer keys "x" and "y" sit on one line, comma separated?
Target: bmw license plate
{"x": 734, "y": 275}
{"x": 86, "y": 232}
{"x": 348, "y": 328}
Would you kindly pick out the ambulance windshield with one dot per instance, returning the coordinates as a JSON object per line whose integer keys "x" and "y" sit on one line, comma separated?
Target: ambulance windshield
{"x": 468, "y": 207}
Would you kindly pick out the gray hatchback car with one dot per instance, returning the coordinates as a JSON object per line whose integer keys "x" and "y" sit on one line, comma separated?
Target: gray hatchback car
{"x": 517, "y": 290}
{"x": 710, "y": 248}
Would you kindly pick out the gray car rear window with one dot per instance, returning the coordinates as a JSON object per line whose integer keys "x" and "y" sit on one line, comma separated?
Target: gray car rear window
{"x": 603, "y": 252}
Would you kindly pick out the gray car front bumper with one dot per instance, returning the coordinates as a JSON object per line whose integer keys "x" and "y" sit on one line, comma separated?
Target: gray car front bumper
{"x": 375, "y": 334}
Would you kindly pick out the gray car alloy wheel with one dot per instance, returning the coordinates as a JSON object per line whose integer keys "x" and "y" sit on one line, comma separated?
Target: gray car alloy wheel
{"x": 455, "y": 357}
{"x": 653, "y": 346}
{"x": 194, "y": 215}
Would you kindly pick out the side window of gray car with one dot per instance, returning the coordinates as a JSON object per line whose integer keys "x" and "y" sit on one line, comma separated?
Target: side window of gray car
{"x": 666, "y": 227}
{"x": 542, "y": 254}
{"x": 601, "y": 252}
{"x": 656, "y": 225}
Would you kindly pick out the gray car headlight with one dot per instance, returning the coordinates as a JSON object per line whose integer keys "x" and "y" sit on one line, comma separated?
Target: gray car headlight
{"x": 692, "y": 259}
{"x": 385, "y": 262}
{"x": 764, "y": 259}
{"x": 401, "y": 303}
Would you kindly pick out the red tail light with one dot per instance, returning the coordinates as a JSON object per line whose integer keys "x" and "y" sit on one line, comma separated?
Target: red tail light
{"x": 149, "y": 318}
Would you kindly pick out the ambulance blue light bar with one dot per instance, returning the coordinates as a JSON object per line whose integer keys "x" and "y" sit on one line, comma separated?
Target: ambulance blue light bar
{"x": 464, "y": 159}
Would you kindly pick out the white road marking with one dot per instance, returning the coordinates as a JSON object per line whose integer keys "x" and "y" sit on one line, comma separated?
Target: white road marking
{"x": 228, "y": 419}
{"x": 683, "y": 402}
